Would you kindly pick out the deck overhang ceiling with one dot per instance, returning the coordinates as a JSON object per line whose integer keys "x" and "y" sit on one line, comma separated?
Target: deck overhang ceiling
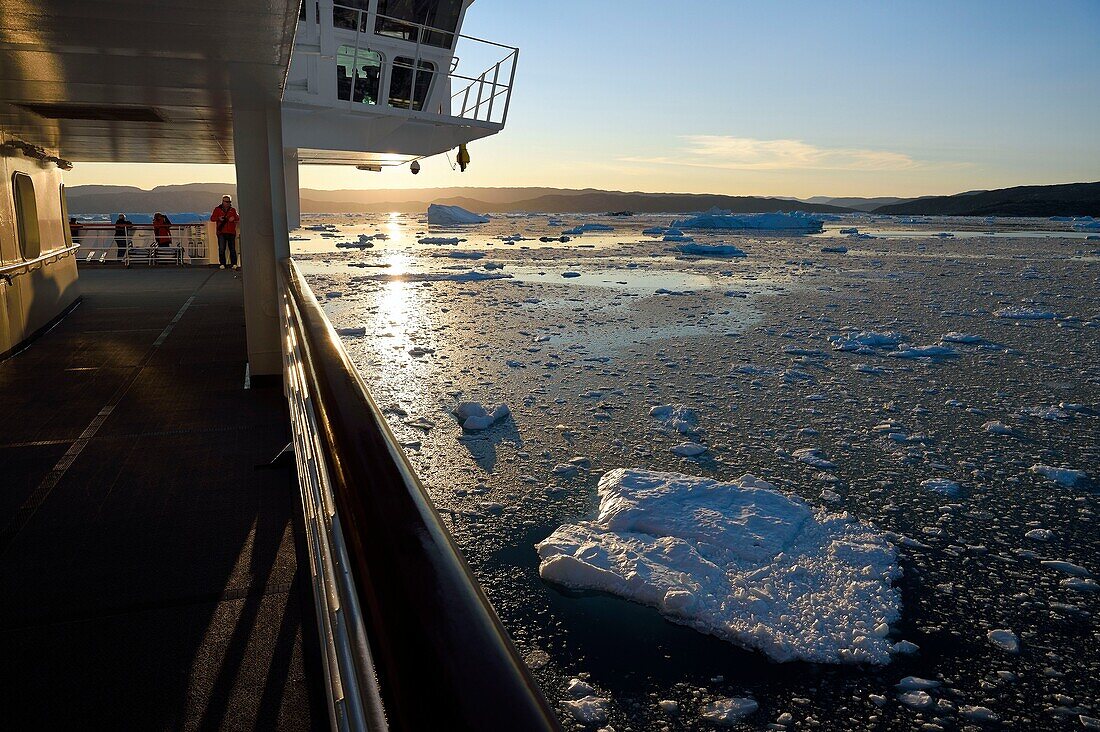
{"x": 139, "y": 80}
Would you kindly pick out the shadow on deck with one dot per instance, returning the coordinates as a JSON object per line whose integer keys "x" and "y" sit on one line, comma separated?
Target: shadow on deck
{"x": 149, "y": 576}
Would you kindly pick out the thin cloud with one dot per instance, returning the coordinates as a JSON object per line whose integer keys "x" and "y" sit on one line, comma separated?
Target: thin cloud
{"x": 748, "y": 153}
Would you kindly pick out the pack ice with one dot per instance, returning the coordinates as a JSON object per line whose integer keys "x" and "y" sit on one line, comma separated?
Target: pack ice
{"x": 737, "y": 560}
{"x": 453, "y": 215}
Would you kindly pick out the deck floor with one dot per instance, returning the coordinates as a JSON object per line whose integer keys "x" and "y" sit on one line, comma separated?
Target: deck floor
{"x": 149, "y": 569}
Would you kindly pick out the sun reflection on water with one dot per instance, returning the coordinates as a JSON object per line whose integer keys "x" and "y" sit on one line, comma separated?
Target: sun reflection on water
{"x": 393, "y": 307}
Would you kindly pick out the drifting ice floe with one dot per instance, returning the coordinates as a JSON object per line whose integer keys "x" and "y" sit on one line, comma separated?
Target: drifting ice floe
{"x": 474, "y": 416}
{"x": 1004, "y": 640}
{"x": 933, "y": 352}
{"x": 364, "y": 242}
{"x": 585, "y": 706}
{"x": 916, "y": 683}
{"x": 453, "y": 216}
{"x": 583, "y": 228}
{"x": 728, "y": 711}
{"x": 710, "y": 250}
{"x": 813, "y": 456}
{"x": 795, "y": 221}
{"x": 689, "y": 449}
{"x": 865, "y": 341}
{"x": 472, "y": 276}
{"x": 942, "y": 485}
{"x": 1025, "y": 313}
{"x": 737, "y": 560}
{"x": 675, "y": 416}
{"x": 1061, "y": 476}
{"x": 439, "y": 240}
{"x": 956, "y": 337}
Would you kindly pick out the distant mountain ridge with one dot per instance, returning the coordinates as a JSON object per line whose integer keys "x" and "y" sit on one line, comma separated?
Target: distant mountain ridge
{"x": 858, "y": 203}
{"x": 1069, "y": 199}
{"x": 202, "y": 196}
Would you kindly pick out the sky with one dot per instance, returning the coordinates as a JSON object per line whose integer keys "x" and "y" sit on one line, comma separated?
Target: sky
{"x": 778, "y": 98}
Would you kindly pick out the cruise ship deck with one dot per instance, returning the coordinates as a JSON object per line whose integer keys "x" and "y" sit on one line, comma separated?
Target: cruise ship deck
{"x": 150, "y": 553}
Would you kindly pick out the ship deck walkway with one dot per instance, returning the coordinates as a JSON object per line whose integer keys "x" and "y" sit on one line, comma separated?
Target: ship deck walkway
{"x": 149, "y": 554}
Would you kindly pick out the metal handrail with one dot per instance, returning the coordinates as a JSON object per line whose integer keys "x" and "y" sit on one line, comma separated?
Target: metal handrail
{"x": 353, "y": 697}
{"x": 190, "y": 238}
{"x": 8, "y": 271}
{"x": 442, "y": 657}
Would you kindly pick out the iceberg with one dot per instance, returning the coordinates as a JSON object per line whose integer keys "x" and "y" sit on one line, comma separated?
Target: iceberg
{"x": 737, "y": 560}
{"x": 710, "y": 250}
{"x": 795, "y": 221}
{"x": 453, "y": 216}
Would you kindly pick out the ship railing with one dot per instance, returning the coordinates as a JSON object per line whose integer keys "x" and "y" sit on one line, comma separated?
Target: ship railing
{"x": 483, "y": 94}
{"x": 188, "y": 243}
{"x": 409, "y": 639}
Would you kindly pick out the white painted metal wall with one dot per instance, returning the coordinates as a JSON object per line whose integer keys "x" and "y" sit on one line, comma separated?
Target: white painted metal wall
{"x": 36, "y": 288}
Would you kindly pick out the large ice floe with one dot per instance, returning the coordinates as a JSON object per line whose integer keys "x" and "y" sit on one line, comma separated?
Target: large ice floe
{"x": 453, "y": 216}
{"x": 723, "y": 251}
{"x": 865, "y": 341}
{"x": 795, "y": 221}
{"x": 738, "y": 560}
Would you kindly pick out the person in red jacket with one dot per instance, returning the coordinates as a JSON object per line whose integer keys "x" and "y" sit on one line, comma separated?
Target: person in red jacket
{"x": 162, "y": 233}
{"x": 226, "y": 217}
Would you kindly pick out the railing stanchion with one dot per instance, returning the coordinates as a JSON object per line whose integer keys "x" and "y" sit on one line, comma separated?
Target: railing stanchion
{"x": 511, "y": 84}
{"x": 480, "y": 89}
{"x": 496, "y": 75}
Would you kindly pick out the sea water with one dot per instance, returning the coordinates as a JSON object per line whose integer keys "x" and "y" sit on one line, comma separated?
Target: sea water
{"x": 894, "y": 384}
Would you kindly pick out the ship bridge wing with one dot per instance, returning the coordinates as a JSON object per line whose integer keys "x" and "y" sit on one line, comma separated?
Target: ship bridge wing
{"x": 135, "y": 81}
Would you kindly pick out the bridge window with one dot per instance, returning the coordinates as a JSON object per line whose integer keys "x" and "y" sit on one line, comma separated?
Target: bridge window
{"x": 26, "y": 216}
{"x": 399, "y": 19}
{"x": 358, "y": 74}
{"x": 401, "y": 83}
{"x": 345, "y": 14}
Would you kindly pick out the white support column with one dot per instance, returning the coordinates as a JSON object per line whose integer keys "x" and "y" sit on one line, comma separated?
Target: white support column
{"x": 261, "y": 194}
{"x": 293, "y": 199}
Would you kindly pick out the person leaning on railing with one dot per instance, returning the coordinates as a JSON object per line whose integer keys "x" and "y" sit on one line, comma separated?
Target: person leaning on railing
{"x": 123, "y": 227}
{"x": 226, "y": 217}
{"x": 162, "y": 231}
